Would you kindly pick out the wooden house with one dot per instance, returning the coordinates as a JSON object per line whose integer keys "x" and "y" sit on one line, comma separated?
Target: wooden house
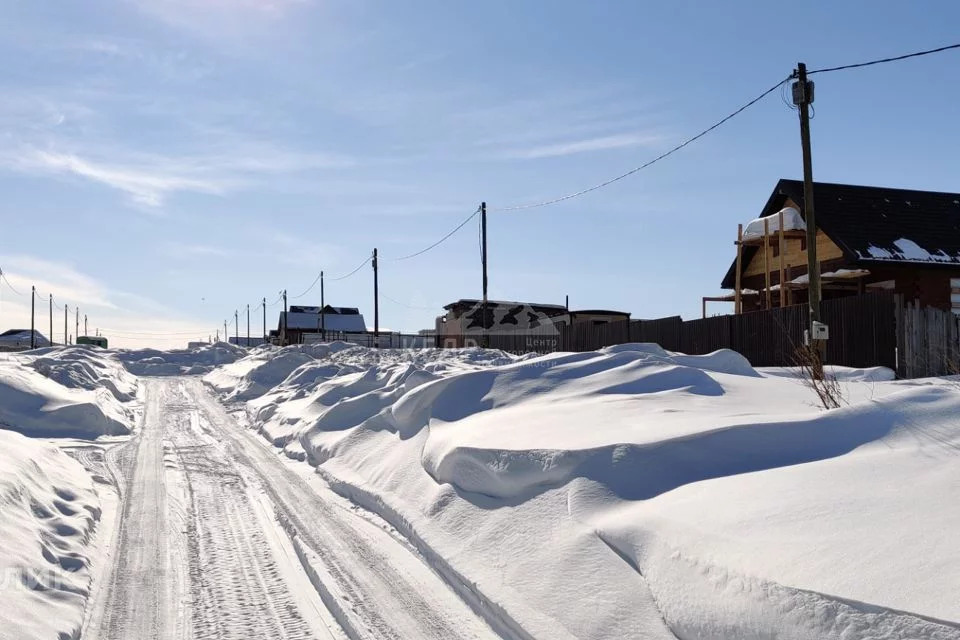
{"x": 868, "y": 239}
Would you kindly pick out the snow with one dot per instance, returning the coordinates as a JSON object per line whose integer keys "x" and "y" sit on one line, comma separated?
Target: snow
{"x": 192, "y": 361}
{"x": 792, "y": 221}
{"x": 907, "y": 250}
{"x": 655, "y": 493}
{"x": 838, "y": 274}
{"x": 66, "y": 392}
{"x": 49, "y": 510}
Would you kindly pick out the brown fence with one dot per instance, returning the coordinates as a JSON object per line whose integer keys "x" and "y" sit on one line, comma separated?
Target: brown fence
{"x": 928, "y": 342}
{"x": 862, "y": 333}
{"x": 877, "y": 329}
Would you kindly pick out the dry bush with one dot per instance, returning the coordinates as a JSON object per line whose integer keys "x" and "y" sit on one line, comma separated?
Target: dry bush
{"x": 826, "y": 387}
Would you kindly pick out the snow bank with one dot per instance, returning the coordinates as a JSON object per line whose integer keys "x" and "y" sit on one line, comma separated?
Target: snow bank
{"x": 84, "y": 368}
{"x": 49, "y": 510}
{"x": 659, "y": 494}
{"x": 193, "y": 361}
{"x": 36, "y": 405}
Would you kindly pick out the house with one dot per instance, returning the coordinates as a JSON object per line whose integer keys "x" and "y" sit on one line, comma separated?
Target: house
{"x": 868, "y": 239}
{"x": 312, "y": 324}
{"x": 463, "y": 324}
{"x": 19, "y": 339}
{"x": 597, "y": 316}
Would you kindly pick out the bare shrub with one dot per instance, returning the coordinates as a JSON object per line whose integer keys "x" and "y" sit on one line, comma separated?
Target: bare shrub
{"x": 826, "y": 387}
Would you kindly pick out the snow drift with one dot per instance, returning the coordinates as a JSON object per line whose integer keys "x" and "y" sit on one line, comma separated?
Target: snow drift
{"x": 49, "y": 510}
{"x": 647, "y": 492}
{"x": 193, "y": 361}
{"x": 37, "y": 405}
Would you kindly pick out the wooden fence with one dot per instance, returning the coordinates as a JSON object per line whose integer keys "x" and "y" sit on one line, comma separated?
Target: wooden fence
{"x": 871, "y": 330}
{"x": 928, "y": 342}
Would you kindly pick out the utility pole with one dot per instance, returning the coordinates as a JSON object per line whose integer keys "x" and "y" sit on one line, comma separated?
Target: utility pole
{"x": 66, "y": 338}
{"x": 323, "y": 314}
{"x": 33, "y": 333}
{"x": 264, "y": 319}
{"x": 218, "y": 335}
{"x": 248, "y": 325}
{"x": 283, "y": 337}
{"x": 483, "y": 259}
{"x": 803, "y": 98}
{"x": 236, "y": 326}
{"x": 376, "y": 304}
{"x": 85, "y": 325}
{"x": 226, "y": 334}
{"x": 76, "y": 324}
{"x": 51, "y": 319}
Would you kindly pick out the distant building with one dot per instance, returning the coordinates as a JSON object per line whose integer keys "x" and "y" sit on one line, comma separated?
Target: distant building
{"x": 303, "y": 324}
{"x": 242, "y": 341}
{"x": 19, "y": 339}
{"x": 597, "y": 316}
{"x": 464, "y": 323}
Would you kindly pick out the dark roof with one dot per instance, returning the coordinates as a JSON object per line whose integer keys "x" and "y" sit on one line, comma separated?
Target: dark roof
{"x": 470, "y": 302}
{"x": 875, "y": 225}
{"x": 601, "y": 312}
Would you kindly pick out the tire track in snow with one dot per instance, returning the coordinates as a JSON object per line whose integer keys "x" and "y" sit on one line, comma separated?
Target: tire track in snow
{"x": 194, "y": 558}
{"x": 380, "y": 588}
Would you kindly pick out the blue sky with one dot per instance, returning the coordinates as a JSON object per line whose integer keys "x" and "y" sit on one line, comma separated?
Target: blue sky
{"x": 165, "y": 162}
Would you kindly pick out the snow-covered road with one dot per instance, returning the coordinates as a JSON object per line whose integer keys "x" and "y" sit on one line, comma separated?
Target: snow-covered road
{"x": 218, "y": 537}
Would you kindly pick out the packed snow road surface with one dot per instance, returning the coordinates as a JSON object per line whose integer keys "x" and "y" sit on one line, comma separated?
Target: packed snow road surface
{"x": 220, "y": 538}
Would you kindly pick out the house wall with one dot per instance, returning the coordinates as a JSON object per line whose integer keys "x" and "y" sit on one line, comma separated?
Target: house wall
{"x": 590, "y": 318}
{"x": 931, "y": 287}
{"x": 794, "y": 256}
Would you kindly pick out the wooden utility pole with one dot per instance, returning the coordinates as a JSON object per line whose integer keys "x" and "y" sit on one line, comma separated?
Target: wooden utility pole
{"x": 33, "y": 333}
{"x": 766, "y": 262}
{"x": 283, "y": 336}
{"x": 248, "y": 325}
{"x": 85, "y": 330}
{"x": 51, "y": 319}
{"x": 236, "y": 326}
{"x": 76, "y": 324}
{"x": 803, "y": 98}
{"x": 66, "y": 338}
{"x": 323, "y": 314}
{"x": 737, "y": 301}
{"x": 376, "y": 303}
{"x": 483, "y": 259}
{"x": 783, "y": 250}
{"x": 264, "y": 320}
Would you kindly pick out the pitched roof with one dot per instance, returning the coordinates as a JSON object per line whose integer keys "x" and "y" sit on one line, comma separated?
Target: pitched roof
{"x": 875, "y": 225}
{"x": 350, "y": 322}
{"x": 472, "y": 302}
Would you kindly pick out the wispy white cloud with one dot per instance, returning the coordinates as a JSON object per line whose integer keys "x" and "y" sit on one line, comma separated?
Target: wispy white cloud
{"x": 602, "y": 143}
{"x": 189, "y": 250}
{"x": 140, "y": 319}
{"x": 149, "y": 179}
{"x": 219, "y": 18}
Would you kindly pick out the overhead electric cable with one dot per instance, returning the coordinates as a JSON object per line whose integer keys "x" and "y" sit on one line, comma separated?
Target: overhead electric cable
{"x": 916, "y": 54}
{"x": 441, "y": 240}
{"x": 607, "y": 183}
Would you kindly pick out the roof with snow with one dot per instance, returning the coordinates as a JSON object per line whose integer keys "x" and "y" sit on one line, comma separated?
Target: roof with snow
{"x": 874, "y": 225}
{"x": 472, "y": 302}
{"x": 350, "y": 321}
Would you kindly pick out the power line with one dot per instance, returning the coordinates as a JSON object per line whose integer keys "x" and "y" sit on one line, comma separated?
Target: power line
{"x": 3, "y": 276}
{"x": 607, "y": 183}
{"x": 884, "y": 60}
{"x": 441, "y": 240}
{"x": 312, "y": 285}
{"x": 153, "y": 333}
{"x": 403, "y": 304}
{"x": 360, "y": 266}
